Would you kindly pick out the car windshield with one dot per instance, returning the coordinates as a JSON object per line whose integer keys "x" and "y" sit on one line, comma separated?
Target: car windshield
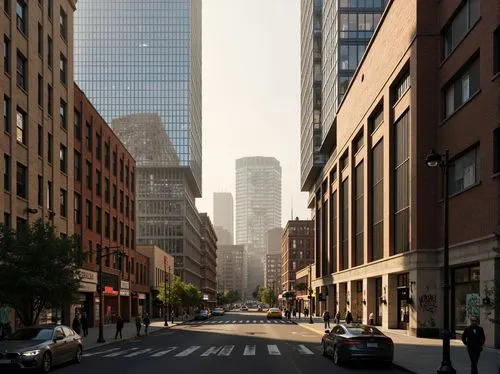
{"x": 364, "y": 330}
{"x": 274, "y": 310}
{"x": 32, "y": 334}
{"x": 218, "y": 309}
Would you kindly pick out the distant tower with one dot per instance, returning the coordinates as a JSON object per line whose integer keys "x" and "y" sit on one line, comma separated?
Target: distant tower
{"x": 224, "y": 216}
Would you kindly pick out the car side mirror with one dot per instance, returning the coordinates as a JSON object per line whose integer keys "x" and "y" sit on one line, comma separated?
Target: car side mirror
{"x": 327, "y": 331}
{"x": 58, "y": 337}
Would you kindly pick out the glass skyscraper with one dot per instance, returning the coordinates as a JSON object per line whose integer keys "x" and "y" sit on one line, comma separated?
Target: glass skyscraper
{"x": 144, "y": 57}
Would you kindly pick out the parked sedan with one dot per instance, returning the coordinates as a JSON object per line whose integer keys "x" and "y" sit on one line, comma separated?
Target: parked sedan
{"x": 40, "y": 347}
{"x": 218, "y": 312}
{"x": 202, "y": 315}
{"x": 357, "y": 342}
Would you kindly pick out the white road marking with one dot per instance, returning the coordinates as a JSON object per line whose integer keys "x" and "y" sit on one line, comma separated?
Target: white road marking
{"x": 241, "y": 321}
{"x": 211, "y": 351}
{"x": 235, "y": 321}
{"x": 249, "y": 350}
{"x": 282, "y": 322}
{"x": 100, "y": 353}
{"x": 120, "y": 352}
{"x": 261, "y": 321}
{"x": 254, "y": 321}
{"x": 268, "y": 321}
{"x": 137, "y": 353}
{"x": 303, "y": 350}
{"x": 187, "y": 351}
{"x": 248, "y": 321}
{"x": 162, "y": 353}
{"x": 275, "y": 321}
{"x": 273, "y": 350}
{"x": 226, "y": 350}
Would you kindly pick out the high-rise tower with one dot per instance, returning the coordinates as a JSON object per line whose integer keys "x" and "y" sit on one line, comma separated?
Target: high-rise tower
{"x": 224, "y": 217}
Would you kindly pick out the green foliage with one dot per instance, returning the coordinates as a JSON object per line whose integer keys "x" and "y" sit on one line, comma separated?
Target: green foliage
{"x": 38, "y": 269}
{"x": 192, "y": 296}
{"x": 256, "y": 293}
{"x": 231, "y": 296}
{"x": 181, "y": 294}
{"x": 267, "y": 296}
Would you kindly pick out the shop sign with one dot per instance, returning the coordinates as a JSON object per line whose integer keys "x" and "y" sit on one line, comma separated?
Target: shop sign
{"x": 87, "y": 287}
{"x": 124, "y": 292}
{"x": 124, "y": 285}
{"x": 87, "y": 276}
{"x": 110, "y": 291}
{"x": 142, "y": 296}
{"x": 205, "y": 297}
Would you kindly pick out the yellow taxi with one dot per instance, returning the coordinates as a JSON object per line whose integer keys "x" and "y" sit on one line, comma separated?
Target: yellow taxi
{"x": 274, "y": 313}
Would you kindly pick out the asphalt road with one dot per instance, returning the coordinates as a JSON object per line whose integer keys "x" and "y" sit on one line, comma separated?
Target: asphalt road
{"x": 240, "y": 342}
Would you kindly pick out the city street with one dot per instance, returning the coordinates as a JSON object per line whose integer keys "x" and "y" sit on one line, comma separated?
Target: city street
{"x": 242, "y": 342}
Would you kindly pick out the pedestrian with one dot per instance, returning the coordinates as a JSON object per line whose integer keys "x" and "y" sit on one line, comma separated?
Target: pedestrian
{"x": 326, "y": 318}
{"x": 119, "y": 327}
{"x": 85, "y": 324}
{"x": 348, "y": 317}
{"x": 299, "y": 313}
{"x": 474, "y": 338}
{"x": 337, "y": 317}
{"x": 294, "y": 313}
{"x": 76, "y": 325}
{"x": 146, "y": 321}
{"x": 138, "y": 323}
{"x": 371, "y": 319}
{"x": 306, "y": 312}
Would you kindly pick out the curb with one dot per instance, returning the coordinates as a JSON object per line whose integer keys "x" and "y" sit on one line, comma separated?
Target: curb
{"x": 322, "y": 333}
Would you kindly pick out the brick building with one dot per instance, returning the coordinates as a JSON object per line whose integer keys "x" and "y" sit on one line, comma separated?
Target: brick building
{"x": 208, "y": 285}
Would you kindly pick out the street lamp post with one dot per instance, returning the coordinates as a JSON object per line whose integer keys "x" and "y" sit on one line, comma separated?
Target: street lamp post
{"x": 310, "y": 294}
{"x": 100, "y": 256}
{"x": 434, "y": 159}
{"x": 165, "y": 310}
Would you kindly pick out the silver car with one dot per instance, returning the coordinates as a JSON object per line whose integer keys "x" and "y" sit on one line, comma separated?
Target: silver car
{"x": 40, "y": 347}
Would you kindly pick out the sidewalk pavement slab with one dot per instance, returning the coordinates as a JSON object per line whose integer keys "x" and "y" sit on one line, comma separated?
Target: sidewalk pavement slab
{"x": 422, "y": 355}
{"x": 128, "y": 332}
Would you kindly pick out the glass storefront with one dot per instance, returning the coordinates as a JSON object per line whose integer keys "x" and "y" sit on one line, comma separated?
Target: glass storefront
{"x": 465, "y": 296}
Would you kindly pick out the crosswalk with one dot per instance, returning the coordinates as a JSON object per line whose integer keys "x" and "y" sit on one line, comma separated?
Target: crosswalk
{"x": 241, "y": 321}
{"x": 198, "y": 350}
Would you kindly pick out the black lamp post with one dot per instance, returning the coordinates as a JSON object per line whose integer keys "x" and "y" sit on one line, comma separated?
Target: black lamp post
{"x": 165, "y": 310}
{"x": 310, "y": 295}
{"x": 100, "y": 256}
{"x": 434, "y": 159}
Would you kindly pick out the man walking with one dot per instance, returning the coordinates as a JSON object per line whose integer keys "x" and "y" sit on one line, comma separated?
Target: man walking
{"x": 119, "y": 327}
{"x": 146, "y": 321}
{"x": 85, "y": 324}
{"x": 474, "y": 338}
{"x": 138, "y": 323}
{"x": 326, "y": 318}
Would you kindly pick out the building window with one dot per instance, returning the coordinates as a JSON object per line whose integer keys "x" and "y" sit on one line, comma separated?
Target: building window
{"x": 7, "y": 221}
{"x": 115, "y": 163}
{"x": 63, "y": 19}
{"x": 401, "y": 185}
{"x": 49, "y": 52}
{"x": 377, "y": 202}
{"x": 464, "y": 173}
{"x": 88, "y": 136}
{"x": 88, "y": 214}
{"x": 6, "y": 172}
{"x": 115, "y": 229}
{"x": 127, "y": 203}
{"x": 40, "y": 191}
{"x": 22, "y": 181}
{"x": 126, "y": 177}
{"x": 49, "y": 148}
{"x": 21, "y": 127}
{"x": 461, "y": 23}
{"x": 98, "y": 182}
{"x": 466, "y": 296}
{"x": 78, "y": 209}
{"x": 358, "y": 142}
{"x": 115, "y": 196}
{"x": 106, "y": 155}
{"x": 63, "y": 158}
{"x": 78, "y": 125}
{"x": 121, "y": 170}
{"x": 344, "y": 160}
{"x": 121, "y": 201}
{"x": 50, "y": 196}
{"x": 462, "y": 88}
{"x": 49, "y": 9}
{"x": 333, "y": 232}
{"x": 78, "y": 166}
{"x": 63, "y": 196}
{"x": 376, "y": 118}
{"x": 21, "y": 70}
{"x": 496, "y": 150}
{"x": 106, "y": 189}
{"x": 22, "y": 16}
{"x": 122, "y": 232}
{"x": 62, "y": 114}
{"x": 6, "y": 54}
{"x": 106, "y": 224}
{"x": 63, "y": 64}
{"x": 132, "y": 209}
{"x": 6, "y": 114}
{"x": 88, "y": 175}
{"x": 344, "y": 223}
{"x": 98, "y": 222}
{"x": 40, "y": 40}
{"x": 132, "y": 181}
{"x": 359, "y": 216}
{"x": 40, "y": 141}
{"x": 97, "y": 145}
{"x": 401, "y": 86}
{"x": 40, "y": 91}
{"x": 50, "y": 94}
{"x": 496, "y": 51}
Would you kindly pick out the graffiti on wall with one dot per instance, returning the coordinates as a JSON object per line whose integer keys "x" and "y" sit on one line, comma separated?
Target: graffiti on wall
{"x": 428, "y": 301}
{"x": 427, "y": 323}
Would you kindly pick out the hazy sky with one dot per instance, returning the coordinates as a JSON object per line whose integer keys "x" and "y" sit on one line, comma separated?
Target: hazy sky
{"x": 251, "y": 94}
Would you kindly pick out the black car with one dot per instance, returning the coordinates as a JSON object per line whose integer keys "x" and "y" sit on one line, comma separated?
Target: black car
{"x": 357, "y": 342}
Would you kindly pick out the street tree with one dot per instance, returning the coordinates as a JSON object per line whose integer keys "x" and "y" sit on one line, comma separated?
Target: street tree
{"x": 171, "y": 293}
{"x": 256, "y": 293}
{"x": 232, "y": 296}
{"x": 192, "y": 296}
{"x": 38, "y": 269}
{"x": 267, "y": 296}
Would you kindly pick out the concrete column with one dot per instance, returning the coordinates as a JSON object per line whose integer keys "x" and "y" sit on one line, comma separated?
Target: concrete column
{"x": 426, "y": 294}
{"x": 392, "y": 301}
{"x": 487, "y": 289}
{"x": 385, "y": 306}
{"x": 342, "y": 297}
{"x": 331, "y": 300}
{"x": 349, "y": 298}
{"x": 366, "y": 305}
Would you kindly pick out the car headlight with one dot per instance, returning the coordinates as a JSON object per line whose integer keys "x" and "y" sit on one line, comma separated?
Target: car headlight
{"x": 31, "y": 353}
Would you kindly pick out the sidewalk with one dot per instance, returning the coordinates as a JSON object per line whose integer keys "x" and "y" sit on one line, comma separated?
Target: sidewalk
{"x": 423, "y": 356}
{"x": 128, "y": 332}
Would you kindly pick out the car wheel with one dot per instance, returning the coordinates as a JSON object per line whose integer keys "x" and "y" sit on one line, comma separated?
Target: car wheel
{"x": 336, "y": 356}
{"x": 46, "y": 362}
{"x": 78, "y": 355}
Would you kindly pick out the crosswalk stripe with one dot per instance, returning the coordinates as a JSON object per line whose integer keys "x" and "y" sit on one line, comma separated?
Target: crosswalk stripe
{"x": 248, "y": 321}
{"x": 241, "y": 321}
{"x": 249, "y": 350}
{"x": 188, "y": 351}
{"x": 226, "y": 350}
{"x": 261, "y": 321}
{"x": 115, "y": 354}
{"x": 273, "y": 350}
{"x": 275, "y": 321}
{"x": 221, "y": 321}
{"x": 137, "y": 353}
{"x": 100, "y": 353}
{"x": 162, "y": 353}
{"x": 268, "y": 321}
{"x": 235, "y": 321}
{"x": 211, "y": 351}
{"x": 254, "y": 321}
{"x": 303, "y": 350}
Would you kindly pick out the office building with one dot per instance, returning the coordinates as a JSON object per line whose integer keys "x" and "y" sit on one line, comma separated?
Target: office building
{"x": 224, "y": 215}
{"x": 232, "y": 269}
{"x": 140, "y": 64}
{"x": 272, "y": 274}
{"x": 208, "y": 261}
{"x": 379, "y": 238}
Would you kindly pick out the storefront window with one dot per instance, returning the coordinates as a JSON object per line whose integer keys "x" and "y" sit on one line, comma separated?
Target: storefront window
{"x": 466, "y": 296}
